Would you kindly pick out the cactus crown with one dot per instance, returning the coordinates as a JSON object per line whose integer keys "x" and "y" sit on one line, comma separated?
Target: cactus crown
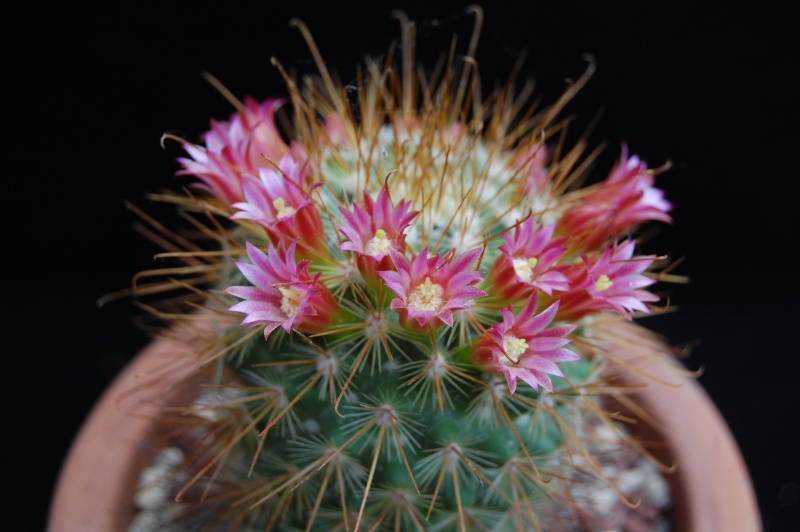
{"x": 407, "y": 293}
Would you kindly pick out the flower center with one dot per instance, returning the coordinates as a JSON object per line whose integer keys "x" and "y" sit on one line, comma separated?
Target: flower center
{"x": 290, "y": 301}
{"x": 603, "y": 283}
{"x": 524, "y": 267}
{"x": 282, "y": 209}
{"x": 514, "y": 348}
{"x": 379, "y": 245}
{"x": 427, "y": 296}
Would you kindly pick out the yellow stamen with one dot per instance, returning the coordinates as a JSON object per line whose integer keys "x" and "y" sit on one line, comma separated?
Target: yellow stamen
{"x": 603, "y": 283}
{"x": 282, "y": 208}
{"x": 514, "y": 348}
{"x": 427, "y": 296}
{"x": 290, "y": 301}
{"x": 379, "y": 244}
{"x": 524, "y": 267}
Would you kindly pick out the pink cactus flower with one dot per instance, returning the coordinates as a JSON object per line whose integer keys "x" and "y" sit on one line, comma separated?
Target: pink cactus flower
{"x": 375, "y": 229}
{"x": 528, "y": 261}
{"x": 277, "y": 201}
{"x": 235, "y": 148}
{"x": 612, "y": 280}
{"x": 432, "y": 287}
{"x": 283, "y": 294}
{"x": 522, "y": 347}
{"x": 219, "y": 176}
{"x": 626, "y": 198}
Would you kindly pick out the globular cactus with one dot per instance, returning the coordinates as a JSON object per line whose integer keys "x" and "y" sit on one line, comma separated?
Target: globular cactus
{"x": 402, "y": 300}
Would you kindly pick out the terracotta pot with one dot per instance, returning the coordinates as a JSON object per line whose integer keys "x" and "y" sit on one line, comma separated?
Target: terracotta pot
{"x": 96, "y": 487}
{"x": 711, "y": 488}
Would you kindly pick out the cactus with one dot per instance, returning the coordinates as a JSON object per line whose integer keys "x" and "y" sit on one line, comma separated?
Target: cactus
{"x": 398, "y": 302}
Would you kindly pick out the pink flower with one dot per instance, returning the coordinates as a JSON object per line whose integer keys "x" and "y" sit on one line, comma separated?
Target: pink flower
{"x": 376, "y": 228}
{"x": 283, "y": 293}
{"x": 432, "y": 287}
{"x": 276, "y": 201}
{"x": 528, "y": 261}
{"x": 610, "y": 281}
{"x": 235, "y": 148}
{"x": 635, "y": 196}
{"x": 522, "y": 347}
{"x": 626, "y": 198}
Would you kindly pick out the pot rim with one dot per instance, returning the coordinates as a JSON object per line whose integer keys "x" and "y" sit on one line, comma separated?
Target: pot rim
{"x": 711, "y": 486}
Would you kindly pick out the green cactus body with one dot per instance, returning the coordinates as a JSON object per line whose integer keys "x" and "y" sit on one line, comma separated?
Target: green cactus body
{"x": 366, "y": 413}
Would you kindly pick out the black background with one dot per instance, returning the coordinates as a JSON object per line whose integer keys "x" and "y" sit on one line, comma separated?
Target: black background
{"x": 88, "y": 91}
